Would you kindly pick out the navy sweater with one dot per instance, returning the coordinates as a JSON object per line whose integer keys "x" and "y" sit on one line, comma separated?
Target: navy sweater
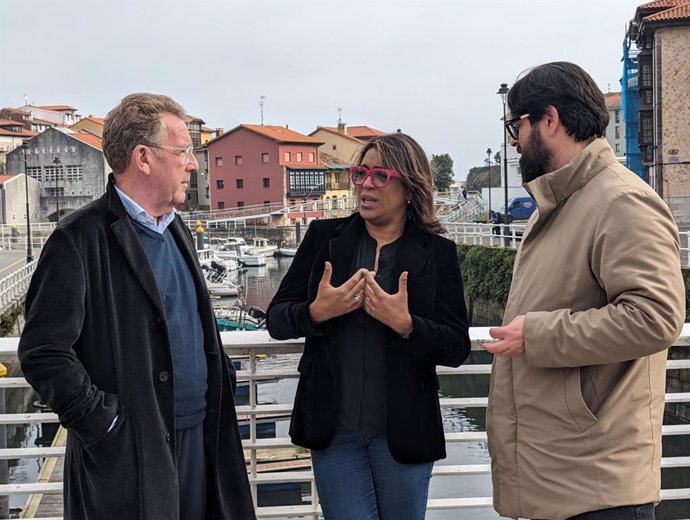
{"x": 178, "y": 294}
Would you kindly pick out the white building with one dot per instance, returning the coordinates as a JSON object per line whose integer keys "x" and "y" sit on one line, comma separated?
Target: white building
{"x": 13, "y": 199}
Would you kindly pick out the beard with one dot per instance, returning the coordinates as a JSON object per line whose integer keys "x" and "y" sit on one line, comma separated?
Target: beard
{"x": 535, "y": 158}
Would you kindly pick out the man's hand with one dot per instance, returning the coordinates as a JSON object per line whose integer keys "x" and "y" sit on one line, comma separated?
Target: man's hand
{"x": 332, "y": 302}
{"x": 511, "y": 342}
{"x": 389, "y": 309}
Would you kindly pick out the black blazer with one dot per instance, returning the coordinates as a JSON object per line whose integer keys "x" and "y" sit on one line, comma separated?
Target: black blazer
{"x": 440, "y": 337}
{"x": 96, "y": 344}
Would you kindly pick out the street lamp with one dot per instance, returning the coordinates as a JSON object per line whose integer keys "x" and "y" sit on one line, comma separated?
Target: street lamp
{"x": 58, "y": 166}
{"x": 29, "y": 254}
{"x": 488, "y": 167}
{"x": 503, "y": 92}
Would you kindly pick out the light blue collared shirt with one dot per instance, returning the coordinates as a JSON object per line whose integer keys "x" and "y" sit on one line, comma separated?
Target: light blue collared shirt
{"x": 139, "y": 214}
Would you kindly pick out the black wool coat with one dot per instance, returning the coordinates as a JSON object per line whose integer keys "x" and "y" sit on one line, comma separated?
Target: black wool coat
{"x": 96, "y": 345}
{"x": 440, "y": 337}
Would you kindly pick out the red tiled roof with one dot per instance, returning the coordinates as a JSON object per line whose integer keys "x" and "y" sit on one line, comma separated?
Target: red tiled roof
{"x": 98, "y": 120}
{"x": 57, "y": 108}
{"x": 10, "y": 122}
{"x": 360, "y": 131}
{"x": 5, "y": 178}
{"x": 335, "y": 131}
{"x": 90, "y": 139}
{"x": 189, "y": 118}
{"x": 280, "y": 134}
{"x": 207, "y": 129}
{"x": 22, "y": 133}
{"x": 613, "y": 99}
{"x": 662, "y": 4}
{"x": 681, "y": 12}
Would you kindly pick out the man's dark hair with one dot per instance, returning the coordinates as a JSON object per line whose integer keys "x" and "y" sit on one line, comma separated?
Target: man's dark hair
{"x": 567, "y": 87}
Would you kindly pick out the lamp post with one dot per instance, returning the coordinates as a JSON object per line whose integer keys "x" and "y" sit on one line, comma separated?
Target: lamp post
{"x": 488, "y": 167}
{"x": 29, "y": 253}
{"x": 58, "y": 167}
{"x": 503, "y": 92}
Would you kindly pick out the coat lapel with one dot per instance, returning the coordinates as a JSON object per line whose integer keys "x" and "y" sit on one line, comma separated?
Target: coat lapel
{"x": 342, "y": 247}
{"x": 129, "y": 241}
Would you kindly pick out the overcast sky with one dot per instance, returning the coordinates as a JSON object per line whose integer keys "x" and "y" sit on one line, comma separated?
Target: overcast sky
{"x": 429, "y": 67}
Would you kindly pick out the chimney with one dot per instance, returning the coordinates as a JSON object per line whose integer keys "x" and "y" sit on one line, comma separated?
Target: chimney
{"x": 286, "y": 126}
{"x": 342, "y": 128}
{"x": 219, "y": 132}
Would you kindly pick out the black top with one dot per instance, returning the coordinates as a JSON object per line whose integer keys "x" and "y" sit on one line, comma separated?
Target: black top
{"x": 362, "y": 347}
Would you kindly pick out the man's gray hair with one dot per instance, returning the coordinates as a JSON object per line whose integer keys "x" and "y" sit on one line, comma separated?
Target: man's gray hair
{"x": 136, "y": 120}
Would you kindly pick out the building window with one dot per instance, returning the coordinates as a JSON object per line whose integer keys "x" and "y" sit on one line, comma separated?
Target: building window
{"x": 239, "y": 183}
{"x": 55, "y": 192}
{"x": 647, "y": 97}
{"x": 220, "y": 184}
{"x": 49, "y": 174}
{"x": 286, "y": 156}
{"x": 238, "y": 160}
{"x": 618, "y": 116}
{"x": 267, "y": 182}
{"x": 74, "y": 172}
{"x": 34, "y": 172}
{"x": 219, "y": 161}
{"x": 221, "y": 204}
{"x": 618, "y": 147}
{"x": 299, "y": 157}
{"x": 240, "y": 203}
{"x": 646, "y": 133}
{"x": 264, "y": 157}
{"x": 311, "y": 157}
{"x": 646, "y": 75}
{"x": 267, "y": 203}
{"x": 618, "y": 132}
{"x": 334, "y": 147}
{"x": 309, "y": 181}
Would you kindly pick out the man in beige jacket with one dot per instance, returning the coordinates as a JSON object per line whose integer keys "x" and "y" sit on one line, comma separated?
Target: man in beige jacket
{"x": 577, "y": 386}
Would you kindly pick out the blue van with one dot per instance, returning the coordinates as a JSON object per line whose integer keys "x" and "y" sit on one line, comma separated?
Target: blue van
{"x": 520, "y": 208}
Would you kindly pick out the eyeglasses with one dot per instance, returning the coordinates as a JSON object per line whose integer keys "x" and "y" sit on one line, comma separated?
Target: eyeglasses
{"x": 186, "y": 153}
{"x": 512, "y": 127}
{"x": 380, "y": 177}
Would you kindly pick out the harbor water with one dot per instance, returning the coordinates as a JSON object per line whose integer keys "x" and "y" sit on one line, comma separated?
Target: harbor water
{"x": 260, "y": 284}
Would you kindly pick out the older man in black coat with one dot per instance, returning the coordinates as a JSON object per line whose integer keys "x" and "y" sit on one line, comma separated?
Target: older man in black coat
{"x": 121, "y": 341}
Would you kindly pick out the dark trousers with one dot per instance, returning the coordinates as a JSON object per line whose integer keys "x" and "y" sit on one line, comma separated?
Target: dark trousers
{"x": 643, "y": 512}
{"x": 191, "y": 472}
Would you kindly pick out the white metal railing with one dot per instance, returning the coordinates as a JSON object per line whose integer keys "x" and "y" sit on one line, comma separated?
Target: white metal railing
{"x": 509, "y": 235}
{"x": 242, "y": 344}
{"x": 685, "y": 248}
{"x": 14, "y": 286}
{"x": 495, "y": 235}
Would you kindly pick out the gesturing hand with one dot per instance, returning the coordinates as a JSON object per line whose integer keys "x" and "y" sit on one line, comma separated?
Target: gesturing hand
{"x": 511, "y": 342}
{"x": 332, "y": 302}
{"x": 389, "y": 309}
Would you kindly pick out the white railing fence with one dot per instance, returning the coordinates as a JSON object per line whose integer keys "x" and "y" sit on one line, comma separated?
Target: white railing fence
{"x": 251, "y": 344}
{"x": 13, "y": 287}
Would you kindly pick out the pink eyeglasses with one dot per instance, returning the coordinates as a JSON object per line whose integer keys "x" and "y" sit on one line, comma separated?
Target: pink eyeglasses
{"x": 380, "y": 177}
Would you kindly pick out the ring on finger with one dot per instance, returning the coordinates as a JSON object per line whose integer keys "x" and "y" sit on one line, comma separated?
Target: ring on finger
{"x": 367, "y": 301}
{"x": 358, "y": 298}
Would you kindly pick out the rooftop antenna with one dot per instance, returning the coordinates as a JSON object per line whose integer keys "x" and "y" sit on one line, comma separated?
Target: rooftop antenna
{"x": 262, "y": 100}
{"x": 26, "y": 100}
{"x": 609, "y": 87}
{"x": 340, "y": 116}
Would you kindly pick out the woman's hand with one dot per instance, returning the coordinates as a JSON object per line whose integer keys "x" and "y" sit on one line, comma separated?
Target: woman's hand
{"x": 332, "y": 302}
{"x": 389, "y": 309}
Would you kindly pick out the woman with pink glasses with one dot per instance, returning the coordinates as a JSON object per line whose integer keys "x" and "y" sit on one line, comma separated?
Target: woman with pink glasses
{"x": 378, "y": 297}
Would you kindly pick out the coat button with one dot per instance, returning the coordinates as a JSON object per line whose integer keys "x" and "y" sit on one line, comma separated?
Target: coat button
{"x": 167, "y": 437}
{"x": 163, "y": 376}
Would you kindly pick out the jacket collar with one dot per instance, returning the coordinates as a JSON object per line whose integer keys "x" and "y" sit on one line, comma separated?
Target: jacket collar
{"x": 346, "y": 235}
{"x": 554, "y": 188}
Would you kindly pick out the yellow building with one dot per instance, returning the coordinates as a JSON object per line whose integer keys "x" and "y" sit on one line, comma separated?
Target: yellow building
{"x": 92, "y": 124}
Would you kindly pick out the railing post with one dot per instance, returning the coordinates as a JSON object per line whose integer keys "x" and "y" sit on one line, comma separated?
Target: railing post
{"x": 4, "y": 475}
